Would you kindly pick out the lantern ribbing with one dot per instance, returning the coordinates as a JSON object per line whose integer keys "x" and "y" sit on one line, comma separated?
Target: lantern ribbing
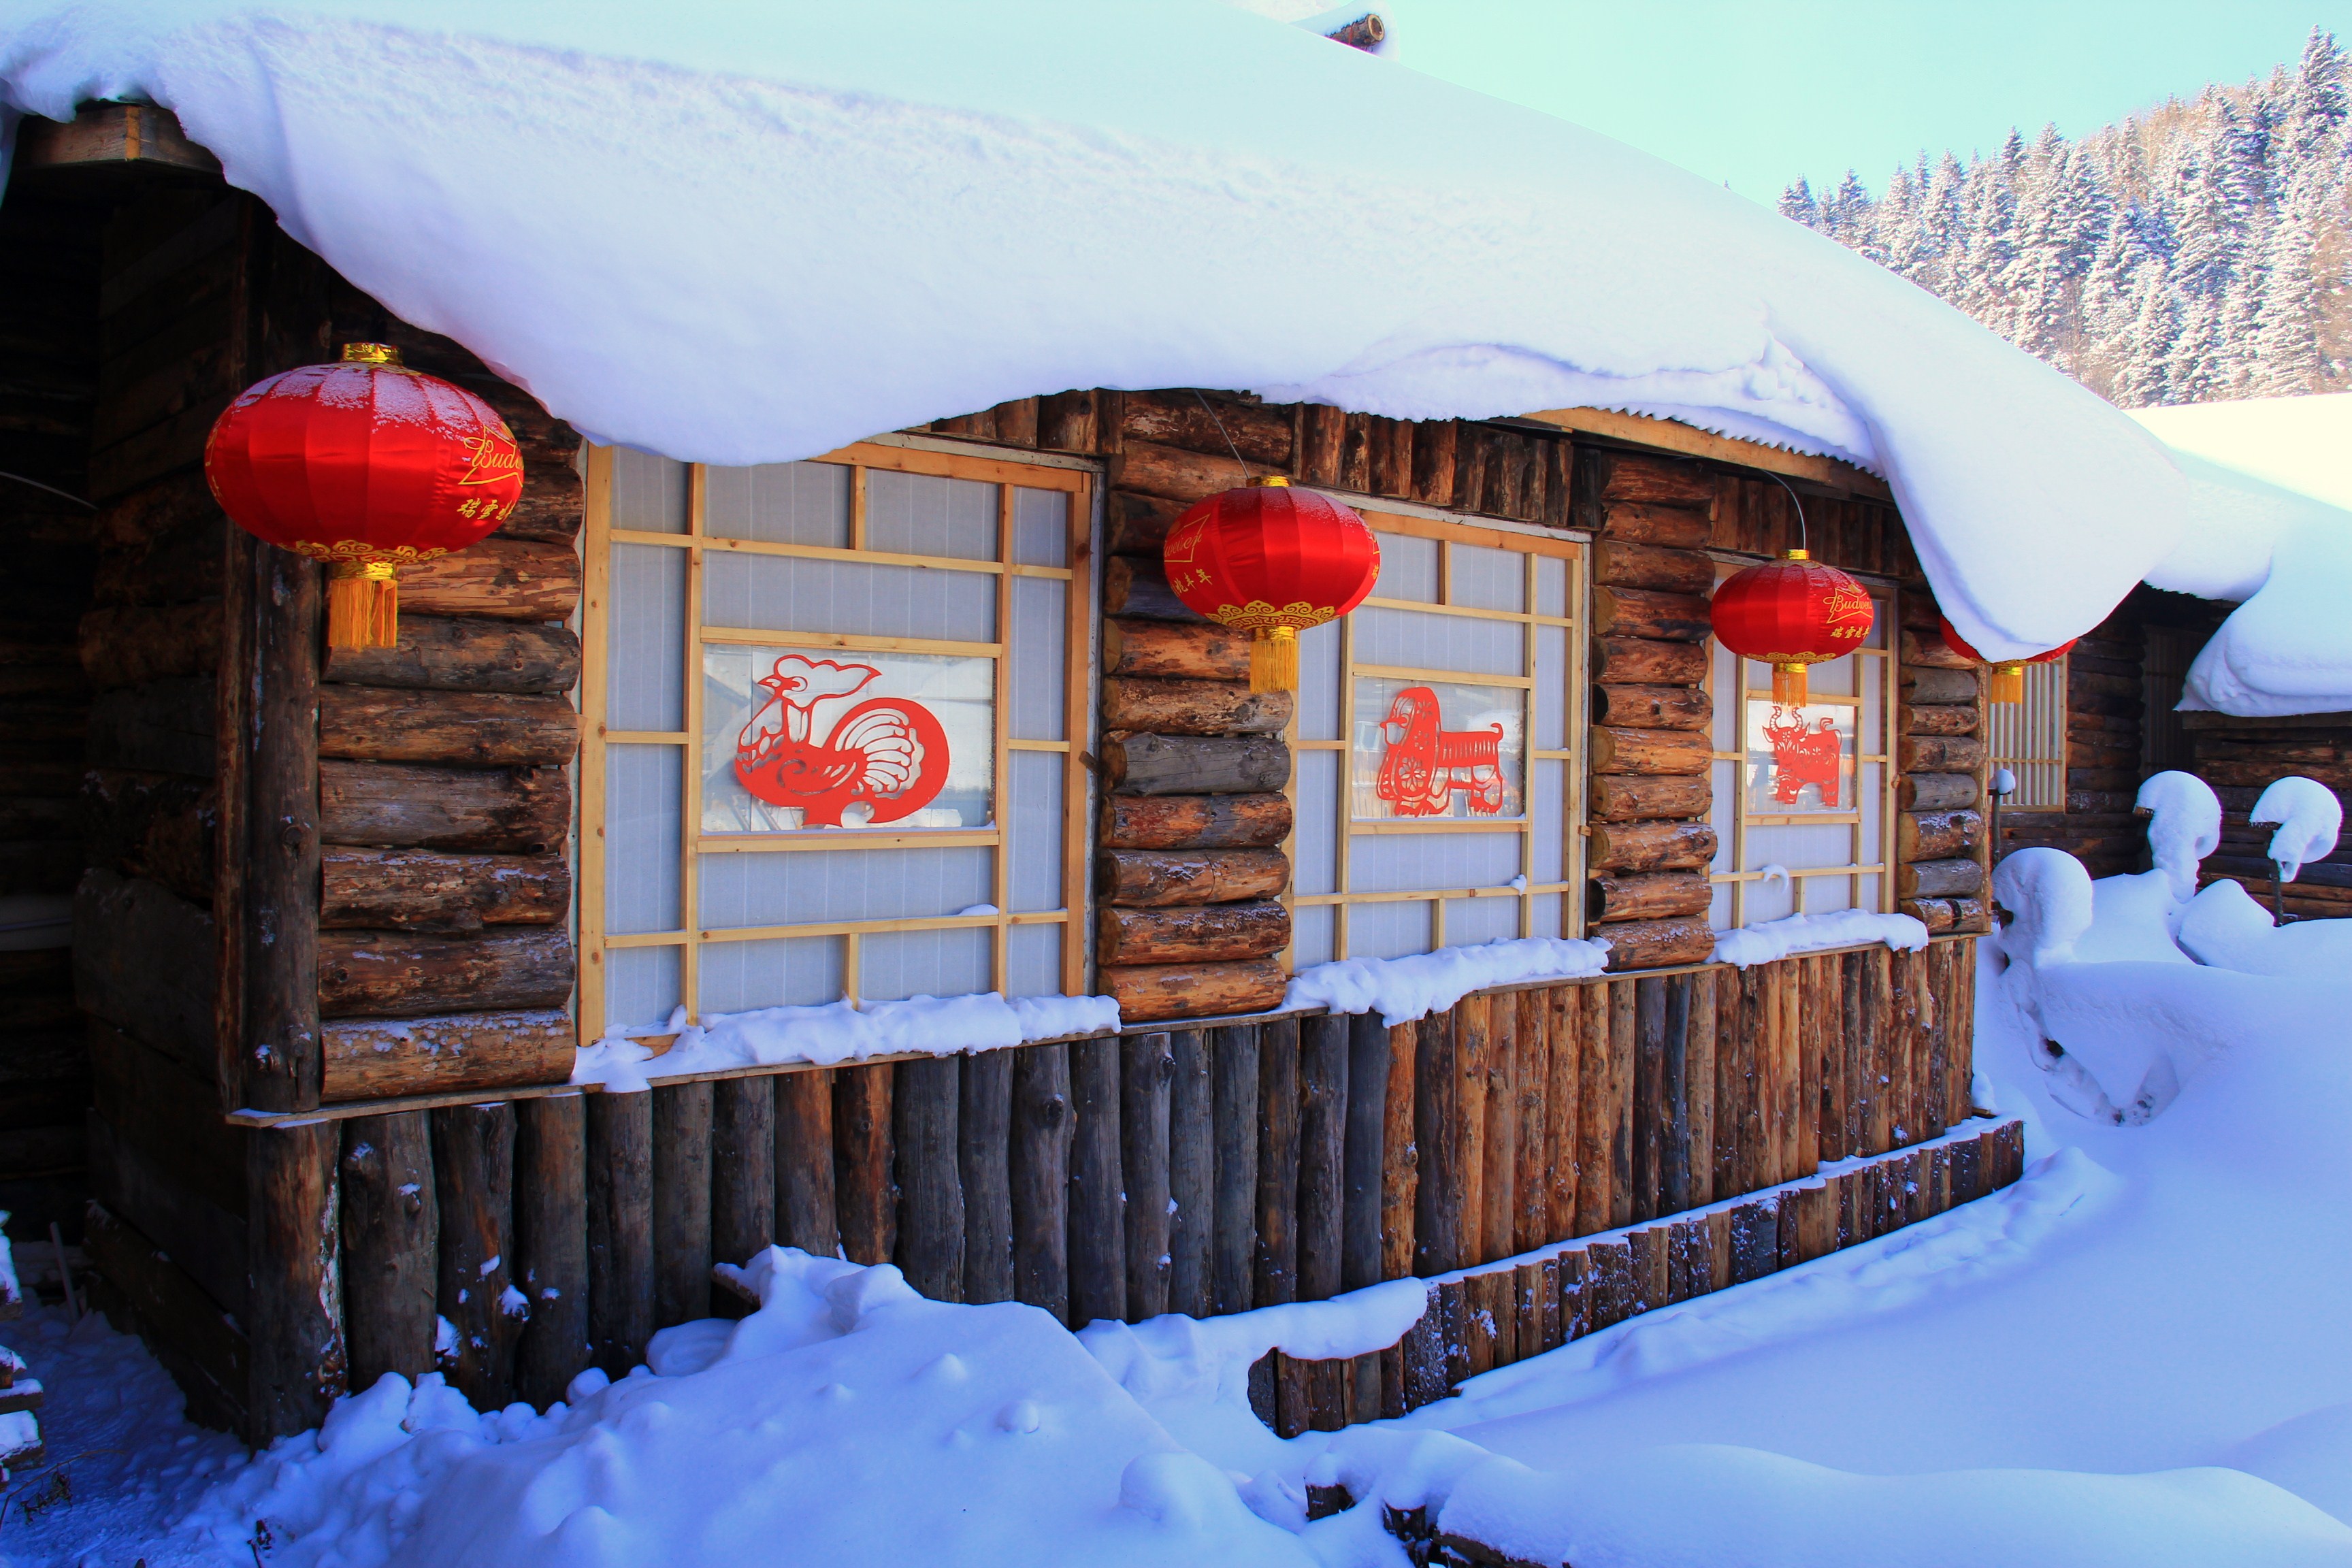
{"x": 1273, "y": 561}
{"x": 1792, "y": 614}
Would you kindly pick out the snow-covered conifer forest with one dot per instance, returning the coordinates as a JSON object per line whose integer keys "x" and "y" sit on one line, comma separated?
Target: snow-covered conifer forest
{"x": 2199, "y": 251}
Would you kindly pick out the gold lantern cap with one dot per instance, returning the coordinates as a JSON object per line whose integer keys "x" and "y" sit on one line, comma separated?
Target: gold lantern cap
{"x": 371, "y": 353}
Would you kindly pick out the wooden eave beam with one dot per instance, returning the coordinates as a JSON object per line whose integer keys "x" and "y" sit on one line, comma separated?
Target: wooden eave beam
{"x": 111, "y": 135}
{"x": 1689, "y": 441}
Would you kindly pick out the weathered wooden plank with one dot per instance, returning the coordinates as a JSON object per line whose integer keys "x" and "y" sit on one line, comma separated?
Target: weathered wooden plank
{"x": 550, "y": 1219}
{"x": 1147, "y": 1068}
{"x": 861, "y": 1142}
{"x": 186, "y": 1325}
{"x": 1399, "y": 1156}
{"x": 743, "y": 1171}
{"x": 473, "y": 1183}
{"x": 1146, "y": 878}
{"x": 620, "y": 1228}
{"x": 1636, "y": 847}
{"x": 1652, "y": 707}
{"x": 384, "y": 1059}
{"x": 208, "y": 1241}
{"x": 1193, "y": 707}
{"x": 1625, "y": 749}
{"x": 924, "y": 1104}
{"x": 1472, "y": 1068}
{"x": 1698, "y": 1085}
{"x": 1649, "y": 1124}
{"x": 473, "y": 729}
{"x": 480, "y": 810}
{"x": 682, "y": 1118}
{"x": 1625, "y": 1129}
{"x": 390, "y": 1224}
{"x": 1193, "y": 1174}
{"x": 1194, "y": 821}
{"x": 1153, "y": 992}
{"x": 1499, "y": 1200}
{"x": 983, "y": 1161}
{"x": 1674, "y": 1098}
{"x": 397, "y": 975}
{"x": 294, "y": 1321}
{"x": 506, "y": 579}
{"x": 1654, "y": 897}
{"x": 1564, "y": 1107}
{"x": 805, "y": 1207}
{"x": 1644, "y": 661}
{"x": 1197, "y": 765}
{"x": 1274, "y": 1268}
{"x": 160, "y": 827}
{"x": 1040, "y": 1174}
{"x": 1233, "y": 1068}
{"x": 1322, "y": 1156}
{"x": 283, "y": 1064}
{"x": 1366, "y": 1152}
{"x": 1098, "y": 1223}
{"x": 464, "y": 654}
{"x": 1658, "y": 944}
{"x": 143, "y": 958}
{"x": 422, "y": 891}
{"x": 1596, "y": 1112}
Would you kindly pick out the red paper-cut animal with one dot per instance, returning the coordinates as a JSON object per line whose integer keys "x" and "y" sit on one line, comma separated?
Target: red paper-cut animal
{"x": 1425, "y": 763}
{"x": 887, "y": 753}
{"x": 1801, "y": 756}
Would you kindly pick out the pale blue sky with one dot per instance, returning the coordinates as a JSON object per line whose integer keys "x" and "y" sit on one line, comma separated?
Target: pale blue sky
{"x": 1757, "y": 93}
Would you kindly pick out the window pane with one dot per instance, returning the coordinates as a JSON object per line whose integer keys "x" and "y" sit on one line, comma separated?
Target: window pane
{"x": 1315, "y": 846}
{"x": 646, "y": 639}
{"x": 1417, "y": 641}
{"x": 1437, "y": 749}
{"x": 779, "y": 503}
{"x": 1039, "y": 607}
{"x": 1034, "y": 826}
{"x": 780, "y": 593}
{"x": 1469, "y": 921}
{"x": 923, "y": 514}
{"x": 1545, "y": 911}
{"x": 1551, "y": 585}
{"x": 812, "y": 886}
{"x": 1545, "y": 816}
{"x": 1032, "y": 961}
{"x": 812, "y": 740}
{"x": 1552, "y": 691}
{"x": 1041, "y": 527}
{"x": 899, "y": 964}
{"x": 1485, "y": 579}
{"x": 1318, "y": 683}
{"x": 1310, "y": 935}
{"x": 640, "y": 986}
{"x": 1800, "y": 759}
{"x": 792, "y": 971}
{"x": 1408, "y": 568}
{"x": 649, "y": 493}
{"x": 1388, "y": 930}
{"x": 643, "y": 791}
{"x": 1403, "y": 862}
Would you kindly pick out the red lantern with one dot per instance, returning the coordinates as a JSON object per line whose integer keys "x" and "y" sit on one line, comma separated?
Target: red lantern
{"x": 1273, "y": 561}
{"x": 1789, "y": 614}
{"x": 367, "y": 465}
{"x": 2008, "y": 682}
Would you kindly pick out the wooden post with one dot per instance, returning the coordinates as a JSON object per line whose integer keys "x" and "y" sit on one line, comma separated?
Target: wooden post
{"x": 681, "y": 1202}
{"x": 1192, "y": 1175}
{"x": 1040, "y": 1169}
{"x": 551, "y": 1215}
{"x": 1097, "y": 1227}
{"x": 805, "y": 1192}
{"x": 620, "y": 1228}
{"x": 861, "y": 1162}
{"x": 391, "y": 1230}
{"x": 1563, "y": 1100}
{"x": 1674, "y": 1098}
{"x": 1322, "y": 1156}
{"x": 1148, "y": 1067}
{"x": 1596, "y": 1115}
{"x": 1275, "y": 1275}
{"x": 1789, "y": 1071}
{"x": 1813, "y": 1012}
{"x": 742, "y": 1174}
{"x": 233, "y": 764}
{"x": 1368, "y": 1097}
{"x": 1850, "y": 1056}
{"x": 1649, "y": 1087}
{"x": 930, "y": 1244}
{"x": 297, "y": 1366}
{"x": 1730, "y": 1017}
{"x": 1473, "y": 1062}
{"x": 473, "y": 1181}
{"x": 1624, "y": 1129}
{"x": 283, "y": 1063}
{"x": 1437, "y": 1193}
{"x": 1399, "y": 1156}
{"x": 1234, "y": 1071}
{"x": 1532, "y": 1069}
{"x": 1698, "y": 1087}
{"x": 1880, "y": 1031}
{"x": 984, "y": 1160}
{"x": 1498, "y": 1195}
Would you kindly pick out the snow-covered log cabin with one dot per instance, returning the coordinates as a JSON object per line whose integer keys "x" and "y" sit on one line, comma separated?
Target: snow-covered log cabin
{"x": 460, "y": 1003}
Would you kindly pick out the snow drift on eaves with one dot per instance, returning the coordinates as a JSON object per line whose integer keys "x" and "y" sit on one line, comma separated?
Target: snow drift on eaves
{"x": 741, "y": 237}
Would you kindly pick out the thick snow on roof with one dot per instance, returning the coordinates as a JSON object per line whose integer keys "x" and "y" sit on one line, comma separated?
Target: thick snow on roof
{"x": 2274, "y": 476}
{"x": 740, "y": 236}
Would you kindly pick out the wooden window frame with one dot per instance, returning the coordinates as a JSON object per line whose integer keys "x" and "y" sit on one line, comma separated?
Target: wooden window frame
{"x": 1531, "y": 545}
{"x": 1076, "y": 482}
{"x": 2011, "y": 730}
{"x": 1755, "y": 680}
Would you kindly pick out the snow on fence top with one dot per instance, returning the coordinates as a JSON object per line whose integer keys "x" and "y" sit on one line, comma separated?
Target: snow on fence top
{"x": 748, "y": 234}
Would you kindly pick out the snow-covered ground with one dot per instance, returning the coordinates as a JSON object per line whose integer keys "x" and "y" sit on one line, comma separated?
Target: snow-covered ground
{"x": 2135, "y": 1356}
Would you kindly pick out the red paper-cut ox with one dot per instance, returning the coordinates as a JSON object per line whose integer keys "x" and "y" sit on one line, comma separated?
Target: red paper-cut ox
{"x": 1424, "y": 764}
{"x": 887, "y": 753}
{"x": 1802, "y": 756}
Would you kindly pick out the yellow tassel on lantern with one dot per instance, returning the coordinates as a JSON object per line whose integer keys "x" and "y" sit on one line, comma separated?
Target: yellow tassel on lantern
{"x": 1789, "y": 686}
{"x": 2008, "y": 683}
{"x": 362, "y": 604}
{"x": 1273, "y": 659}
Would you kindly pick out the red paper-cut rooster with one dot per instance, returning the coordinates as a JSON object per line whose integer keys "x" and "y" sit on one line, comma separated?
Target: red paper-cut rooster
{"x": 887, "y": 753}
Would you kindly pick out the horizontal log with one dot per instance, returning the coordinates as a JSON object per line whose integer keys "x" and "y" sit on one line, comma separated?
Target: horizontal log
{"x": 1928, "y": 650}
{"x": 144, "y": 958}
{"x": 1939, "y": 880}
{"x": 1644, "y": 613}
{"x": 1652, "y": 707}
{"x": 1137, "y": 524}
{"x": 1133, "y": 586}
{"x": 1942, "y": 719}
{"x": 186, "y": 1323}
{"x": 1193, "y": 707}
{"x": 377, "y": 1059}
{"x": 46, "y": 866}
{"x": 1156, "y": 993}
{"x": 551, "y": 506}
{"x": 1630, "y": 846}
{"x": 471, "y": 810}
{"x": 1157, "y": 470}
{"x": 508, "y": 579}
{"x": 1640, "y": 661}
{"x": 1657, "y": 944}
{"x": 1620, "y": 562}
{"x": 1667, "y": 527}
{"x": 1930, "y": 683}
{"x": 1939, "y": 754}
{"x": 399, "y": 974}
{"x": 1175, "y": 650}
{"x": 1141, "y": 879}
{"x": 1656, "y": 896}
{"x": 1971, "y": 917}
{"x": 1194, "y": 821}
{"x": 1627, "y": 798}
{"x": 1936, "y": 914}
{"x": 1638, "y": 477}
{"x": 1197, "y": 765}
{"x": 1937, "y": 835}
{"x": 163, "y": 727}
{"x": 481, "y": 729}
{"x": 170, "y": 1114}
{"x": 1214, "y": 426}
{"x": 124, "y": 645}
{"x": 426, "y": 891}
{"x": 1625, "y": 751}
{"x": 162, "y": 827}
{"x": 464, "y": 653}
{"x": 1937, "y": 792}
{"x": 1210, "y": 934}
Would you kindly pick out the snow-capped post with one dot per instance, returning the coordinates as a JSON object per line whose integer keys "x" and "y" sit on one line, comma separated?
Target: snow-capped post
{"x": 2002, "y": 784}
{"x": 2007, "y": 683}
{"x": 2308, "y": 818}
{"x": 367, "y": 465}
{"x": 1272, "y": 562}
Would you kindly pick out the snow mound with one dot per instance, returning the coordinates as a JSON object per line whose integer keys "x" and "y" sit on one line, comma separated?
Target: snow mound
{"x": 2309, "y": 817}
{"x": 2134, "y": 919}
{"x": 1043, "y": 194}
{"x": 1404, "y": 989}
{"x": 1769, "y": 940}
{"x": 2226, "y": 929}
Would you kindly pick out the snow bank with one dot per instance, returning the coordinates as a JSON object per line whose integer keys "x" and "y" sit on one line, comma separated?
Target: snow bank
{"x": 2308, "y": 816}
{"x": 1404, "y": 989}
{"x": 840, "y": 1032}
{"x": 2224, "y": 928}
{"x": 1021, "y": 197}
{"x": 1763, "y": 943}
